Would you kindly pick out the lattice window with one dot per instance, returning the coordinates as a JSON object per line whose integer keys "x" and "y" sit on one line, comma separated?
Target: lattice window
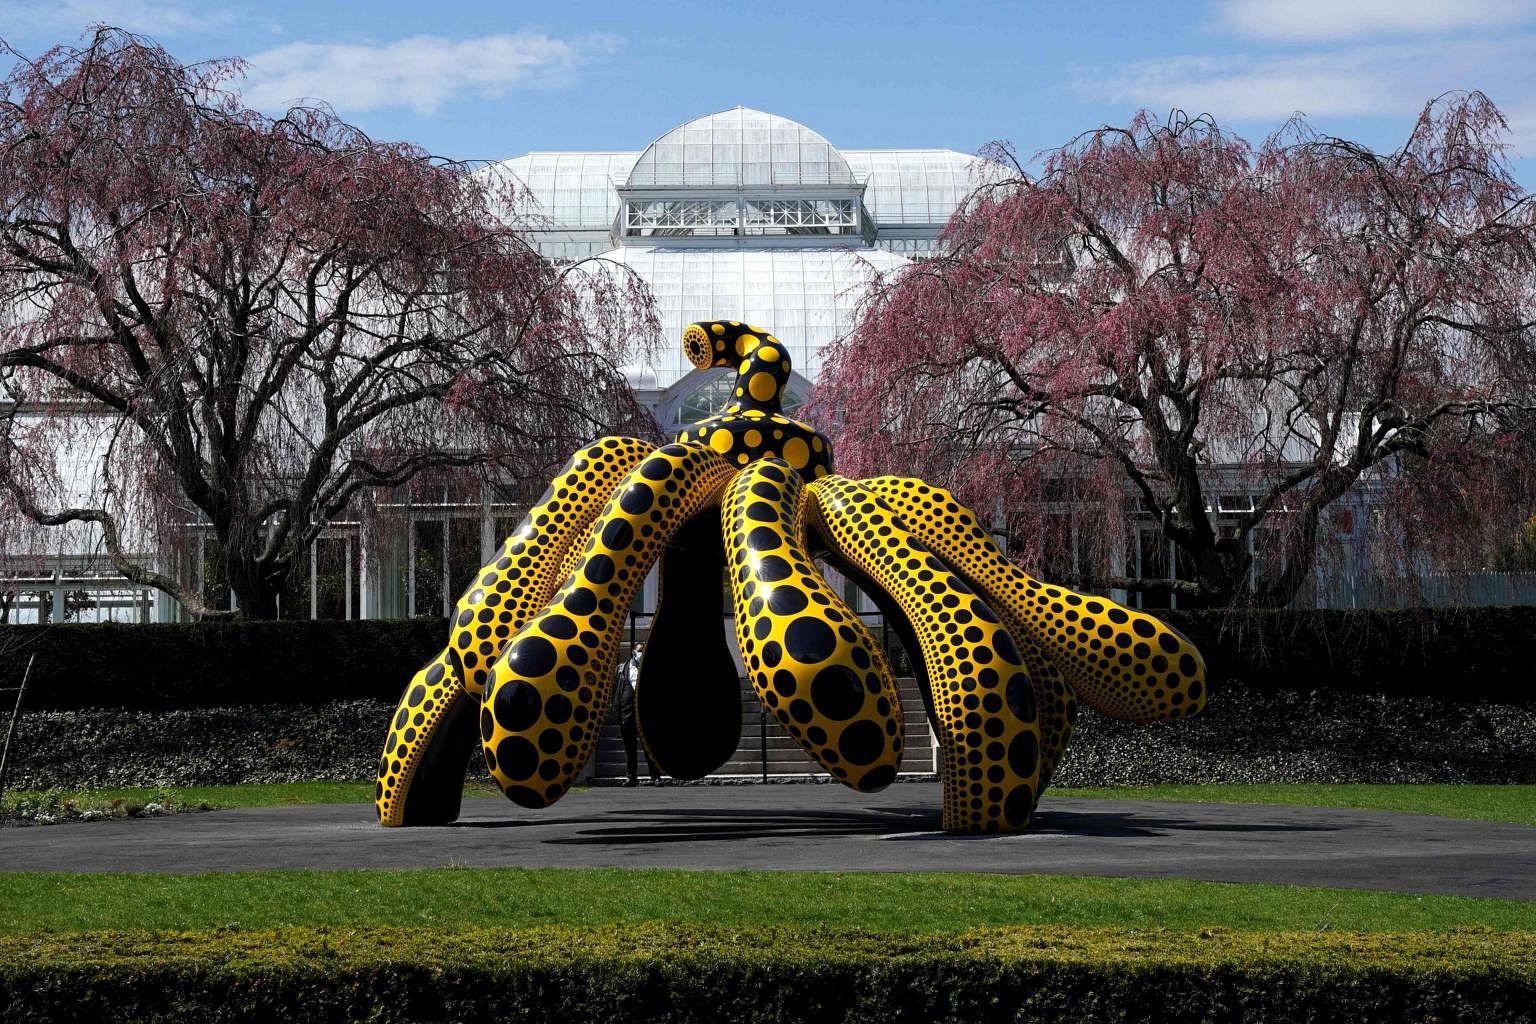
{"x": 680, "y": 218}
{"x": 801, "y": 217}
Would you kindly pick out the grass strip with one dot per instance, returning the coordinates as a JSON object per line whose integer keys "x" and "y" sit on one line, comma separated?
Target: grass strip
{"x": 60, "y": 804}
{"x": 696, "y": 973}
{"x": 893, "y": 902}
{"x": 1515, "y": 804}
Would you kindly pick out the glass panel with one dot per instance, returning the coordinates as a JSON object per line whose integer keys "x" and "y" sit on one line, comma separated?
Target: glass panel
{"x": 331, "y": 578}
{"x": 1154, "y": 566}
{"x": 503, "y": 528}
{"x": 464, "y": 557}
{"x": 428, "y": 593}
{"x": 706, "y": 400}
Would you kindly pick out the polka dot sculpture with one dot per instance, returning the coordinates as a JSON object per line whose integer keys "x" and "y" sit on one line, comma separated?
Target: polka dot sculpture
{"x": 1002, "y": 658}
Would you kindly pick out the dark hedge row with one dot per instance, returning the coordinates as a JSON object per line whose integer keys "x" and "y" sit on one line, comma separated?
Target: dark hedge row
{"x": 1244, "y": 735}
{"x": 1457, "y": 654}
{"x": 677, "y": 973}
{"x": 161, "y": 666}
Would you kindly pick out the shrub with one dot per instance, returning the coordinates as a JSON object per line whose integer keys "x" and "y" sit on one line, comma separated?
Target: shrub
{"x": 682, "y": 973}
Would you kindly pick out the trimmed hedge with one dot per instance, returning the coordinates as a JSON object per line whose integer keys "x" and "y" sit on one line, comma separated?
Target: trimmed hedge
{"x": 679, "y": 973}
{"x": 1243, "y": 736}
{"x": 1455, "y": 654}
{"x": 186, "y": 665}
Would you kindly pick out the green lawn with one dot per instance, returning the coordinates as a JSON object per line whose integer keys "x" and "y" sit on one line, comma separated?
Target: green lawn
{"x": 196, "y": 798}
{"x": 909, "y": 903}
{"x": 1484, "y": 803}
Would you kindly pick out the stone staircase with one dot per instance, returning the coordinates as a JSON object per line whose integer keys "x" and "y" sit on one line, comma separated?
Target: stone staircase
{"x": 768, "y": 753}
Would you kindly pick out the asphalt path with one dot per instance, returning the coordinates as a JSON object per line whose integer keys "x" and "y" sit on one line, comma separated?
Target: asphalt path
{"x": 821, "y": 828}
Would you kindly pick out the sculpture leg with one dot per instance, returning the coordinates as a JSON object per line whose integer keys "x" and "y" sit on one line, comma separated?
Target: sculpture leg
{"x": 1120, "y": 662}
{"x": 961, "y": 542}
{"x": 812, "y": 662}
{"x": 432, "y": 734}
{"x": 548, "y": 693}
{"x": 688, "y": 704}
{"x": 984, "y": 704}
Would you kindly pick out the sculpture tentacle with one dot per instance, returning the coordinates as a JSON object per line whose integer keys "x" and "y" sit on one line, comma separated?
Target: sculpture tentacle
{"x": 1120, "y": 662}
{"x": 421, "y": 773}
{"x": 549, "y": 692}
{"x": 811, "y": 661}
{"x": 926, "y": 514}
{"x": 983, "y": 701}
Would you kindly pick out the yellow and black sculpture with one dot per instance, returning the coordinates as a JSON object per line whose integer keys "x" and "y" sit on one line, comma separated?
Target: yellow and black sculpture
{"x": 1002, "y": 658}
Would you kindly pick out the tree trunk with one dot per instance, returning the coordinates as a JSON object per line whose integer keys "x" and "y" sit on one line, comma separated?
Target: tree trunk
{"x": 256, "y": 587}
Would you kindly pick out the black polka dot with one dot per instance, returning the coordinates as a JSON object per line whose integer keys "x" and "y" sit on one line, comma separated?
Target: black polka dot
{"x": 1168, "y": 642}
{"x": 531, "y": 657}
{"x": 524, "y": 796}
{"x": 809, "y": 640}
{"x": 762, "y": 512}
{"x": 1021, "y": 698}
{"x": 559, "y": 627}
{"x": 516, "y": 706}
{"x": 1019, "y": 805}
{"x": 581, "y": 601}
{"x": 656, "y": 469}
{"x": 618, "y": 534}
{"x": 637, "y": 497}
{"x": 558, "y": 709}
{"x": 517, "y": 758}
{"x": 599, "y": 569}
{"x": 773, "y": 568}
{"x": 861, "y": 743}
{"x": 801, "y": 711}
{"x": 416, "y": 696}
{"x": 787, "y": 600}
{"x": 877, "y": 779}
{"x": 1024, "y": 755}
{"x": 837, "y": 693}
{"x": 763, "y": 538}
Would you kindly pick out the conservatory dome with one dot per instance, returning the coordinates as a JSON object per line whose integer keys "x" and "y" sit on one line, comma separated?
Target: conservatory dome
{"x": 739, "y": 148}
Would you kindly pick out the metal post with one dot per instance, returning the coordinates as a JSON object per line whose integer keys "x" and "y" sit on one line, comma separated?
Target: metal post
{"x": 21, "y": 693}
{"x": 762, "y": 738}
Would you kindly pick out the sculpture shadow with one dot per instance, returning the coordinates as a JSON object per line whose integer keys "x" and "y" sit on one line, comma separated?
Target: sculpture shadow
{"x": 916, "y": 823}
{"x": 706, "y": 824}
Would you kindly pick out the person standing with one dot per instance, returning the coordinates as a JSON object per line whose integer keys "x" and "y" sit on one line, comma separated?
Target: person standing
{"x": 625, "y": 684}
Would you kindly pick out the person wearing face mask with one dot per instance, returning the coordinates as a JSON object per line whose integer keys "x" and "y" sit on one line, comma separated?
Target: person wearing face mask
{"x": 626, "y": 680}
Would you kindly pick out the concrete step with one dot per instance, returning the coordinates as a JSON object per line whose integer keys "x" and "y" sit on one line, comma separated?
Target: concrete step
{"x": 785, "y": 757}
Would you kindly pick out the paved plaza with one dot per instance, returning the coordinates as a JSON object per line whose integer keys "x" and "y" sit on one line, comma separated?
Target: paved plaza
{"x": 822, "y": 828}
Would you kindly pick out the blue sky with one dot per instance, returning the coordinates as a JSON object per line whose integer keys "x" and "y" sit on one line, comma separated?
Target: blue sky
{"x": 493, "y": 80}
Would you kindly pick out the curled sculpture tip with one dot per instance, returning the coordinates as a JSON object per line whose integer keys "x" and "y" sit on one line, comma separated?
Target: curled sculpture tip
{"x": 761, "y": 360}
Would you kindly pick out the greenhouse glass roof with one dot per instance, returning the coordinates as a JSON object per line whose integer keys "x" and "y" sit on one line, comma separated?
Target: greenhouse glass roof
{"x": 739, "y": 148}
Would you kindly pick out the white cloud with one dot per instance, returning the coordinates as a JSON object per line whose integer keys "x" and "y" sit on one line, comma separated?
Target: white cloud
{"x": 1362, "y": 81}
{"x": 421, "y": 72}
{"x": 52, "y": 19}
{"x": 1334, "y": 20}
